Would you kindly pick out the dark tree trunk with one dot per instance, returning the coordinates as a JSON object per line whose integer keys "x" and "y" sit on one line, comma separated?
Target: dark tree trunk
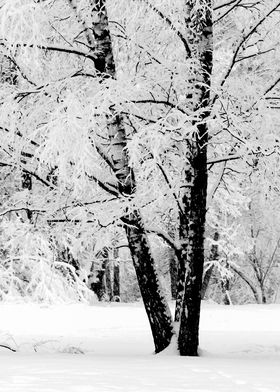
{"x": 26, "y": 181}
{"x": 116, "y": 274}
{"x": 99, "y": 286}
{"x": 108, "y": 280}
{"x": 154, "y": 301}
{"x": 225, "y": 290}
{"x": 192, "y": 222}
{"x": 263, "y": 293}
{"x": 193, "y": 253}
{"x": 155, "y": 305}
{"x": 173, "y": 272}
{"x": 66, "y": 257}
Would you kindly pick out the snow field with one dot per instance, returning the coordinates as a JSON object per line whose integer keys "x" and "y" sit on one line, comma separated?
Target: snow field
{"x": 80, "y": 348}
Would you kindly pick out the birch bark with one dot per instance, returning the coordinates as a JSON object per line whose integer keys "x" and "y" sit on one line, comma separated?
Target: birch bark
{"x": 156, "y": 307}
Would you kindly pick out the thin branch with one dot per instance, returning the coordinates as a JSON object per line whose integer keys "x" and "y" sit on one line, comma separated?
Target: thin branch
{"x": 173, "y": 244}
{"x": 170, "y": 187}
{"x": 75, "y": 221}
{"x": 272, "y": 86}
{"x": 8, "y": 347}
{"x": 227, "y": 12}
{"x": 159, "y": 102}
{"x": 216, "y": 184}
{"x": 148, "y": 120}
{"x": 104, "y": 156}
{"x": 33, "y": 174}
{"x": 224, "y": 5}
{"x": 267, "y": 90}
{"x": 25, "y": 77}
{"x": 271, "y": 261}
{"x": 171, "y": 25}
{"x": 18, "y": 133}
{"x": 88, "y": 33}
{"x": 248, "y": 281}
{"x": 223, "y": 159}
{"x": 254, "y": 55}
{"x": 105, "y": 187}
{"x": 21, "y": 209}
{"x": 243, "y": 40}
{"x": 61, "y": 49}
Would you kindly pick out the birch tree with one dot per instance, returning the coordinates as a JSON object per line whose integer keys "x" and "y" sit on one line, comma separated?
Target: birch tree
{"x": 124, "y": 119}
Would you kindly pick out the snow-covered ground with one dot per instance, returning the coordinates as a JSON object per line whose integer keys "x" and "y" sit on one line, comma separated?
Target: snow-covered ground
{"x": 79, "y": 348}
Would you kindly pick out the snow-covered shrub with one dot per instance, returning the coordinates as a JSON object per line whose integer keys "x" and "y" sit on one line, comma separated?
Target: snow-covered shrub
{"x": 30, "y": 268}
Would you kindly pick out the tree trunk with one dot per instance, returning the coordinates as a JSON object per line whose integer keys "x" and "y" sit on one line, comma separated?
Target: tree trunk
{"x": 193, "y": 254}
{"x": 116, "y": 273}
{"x": 173, "y": 272}
{"x": 156, "y": 307}
{"x": 192, "y": 221}
{"x": 263, "y": 293}
{"x": 246, "y": 279}
{"x": 98, "y": 286}
{"x": 26, "y": 181}
{"x": 225, "y": 290}
{"x": 213, "y": 256}
{"x": 108, "y": 281}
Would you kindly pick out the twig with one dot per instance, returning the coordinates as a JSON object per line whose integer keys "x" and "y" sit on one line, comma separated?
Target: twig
{"x": 171, "y": 25}
{"x": 223, "y": 159}
{"x": 170, "y": 187}
{"x": 243, "y": 40}
{"x": 224, "y": 5}
{"x": 8, "y": 347}
{"x": 227, "y": 12}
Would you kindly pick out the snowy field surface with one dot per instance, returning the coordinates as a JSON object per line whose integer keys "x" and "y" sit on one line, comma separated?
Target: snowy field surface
{"x": 79, "y": 348}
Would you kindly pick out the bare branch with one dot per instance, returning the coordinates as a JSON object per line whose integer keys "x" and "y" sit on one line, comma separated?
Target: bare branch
{"x": 254, "y": 55}
{"x": 21, "y": 209}
{"x": 271, "y": 87}
{"x": 62, "y": 49}
{"x": 170, "y": 187}
{"x": 227, "y": 12}
{"x": 267, "y": 90}
{"x": 173, "y": 244}
{"x": 35, "y": 175}
{"x": 224, "y": 5}
{"x": 243, "y": 40}
{"x": 171, "y": 25}
{"x": 104, "y": 156}
{"x": 211, "y": 193}
{"x": 110, "y": 188}
{"x": 248, "y": 281}
{"x": 223, "y": 159}
{"x": 8, "y": 347}
{"x": 159, "y": 102}
{"x": 271, "y": 261}
{"x": 88, "y": 33}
